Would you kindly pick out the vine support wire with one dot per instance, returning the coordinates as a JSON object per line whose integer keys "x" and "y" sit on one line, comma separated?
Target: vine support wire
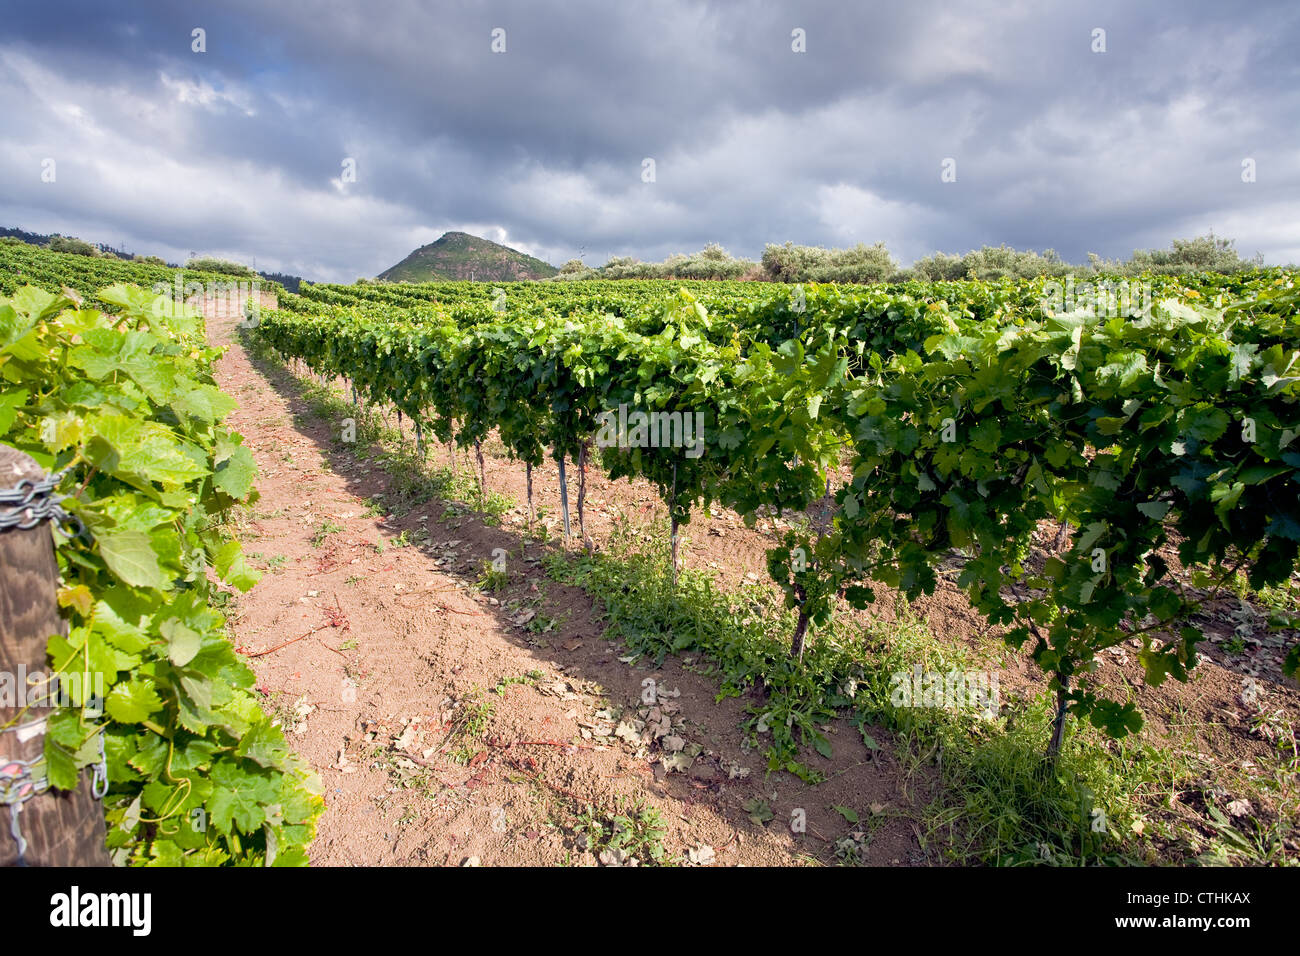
{"x": 582, "y": 489}
{"x": 482, "y": 475}
{"x": 528, "y": 478}
{"x": 672, "y": 525}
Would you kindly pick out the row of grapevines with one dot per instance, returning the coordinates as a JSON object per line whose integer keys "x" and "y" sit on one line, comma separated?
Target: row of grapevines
{"x": 22, "y": 264}
{"x": 1170, "y": 431}
{"x": 124, "y": 405}
{"x": 627, "y": 297}
{"x": 966, "y": 419}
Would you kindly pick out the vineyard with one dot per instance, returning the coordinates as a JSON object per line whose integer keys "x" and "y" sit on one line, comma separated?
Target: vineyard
{"x": 956, "y": 418}
{"x": 1093, "y": 469}
{"x": 21, "y": 264}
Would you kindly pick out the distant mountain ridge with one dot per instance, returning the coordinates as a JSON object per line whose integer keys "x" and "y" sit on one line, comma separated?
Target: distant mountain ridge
{"x": 458, "y": 255}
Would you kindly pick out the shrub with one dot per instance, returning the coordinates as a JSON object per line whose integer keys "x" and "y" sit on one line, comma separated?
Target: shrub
{"x": 76, "y": 247}
{"x": 209, "y": 264}
{"x": 1208, "y": 253}
{"x": 791, "y": 263}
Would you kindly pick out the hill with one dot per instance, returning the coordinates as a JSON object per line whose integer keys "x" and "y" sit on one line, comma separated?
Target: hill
{"x": 290, "y": 282}
{"x": 458, "y": 255}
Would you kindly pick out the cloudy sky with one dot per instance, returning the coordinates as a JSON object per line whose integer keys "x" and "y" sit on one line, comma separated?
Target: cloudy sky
{"x": 240, "y": 150}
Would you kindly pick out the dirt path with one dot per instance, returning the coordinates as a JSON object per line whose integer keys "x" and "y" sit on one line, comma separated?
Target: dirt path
{"x": 445, "y": 732}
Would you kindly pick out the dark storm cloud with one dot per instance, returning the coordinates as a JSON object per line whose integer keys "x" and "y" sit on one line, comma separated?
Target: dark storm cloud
{"x": 238, "y": 150}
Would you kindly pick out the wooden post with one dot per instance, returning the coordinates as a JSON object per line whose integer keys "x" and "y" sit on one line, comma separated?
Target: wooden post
{"x": 564, "y": 497}
{"x": 60, "y": 828}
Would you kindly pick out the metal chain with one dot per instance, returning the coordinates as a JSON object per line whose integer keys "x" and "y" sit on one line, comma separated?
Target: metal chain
{"x": 26, "y": 488}
{"x": 99, "y": 774}
{"x": 21, "y": 780}
{"x": 30, "y": 503}
{"x": 16, "y": 831}
{"x": 19, "y": 783}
